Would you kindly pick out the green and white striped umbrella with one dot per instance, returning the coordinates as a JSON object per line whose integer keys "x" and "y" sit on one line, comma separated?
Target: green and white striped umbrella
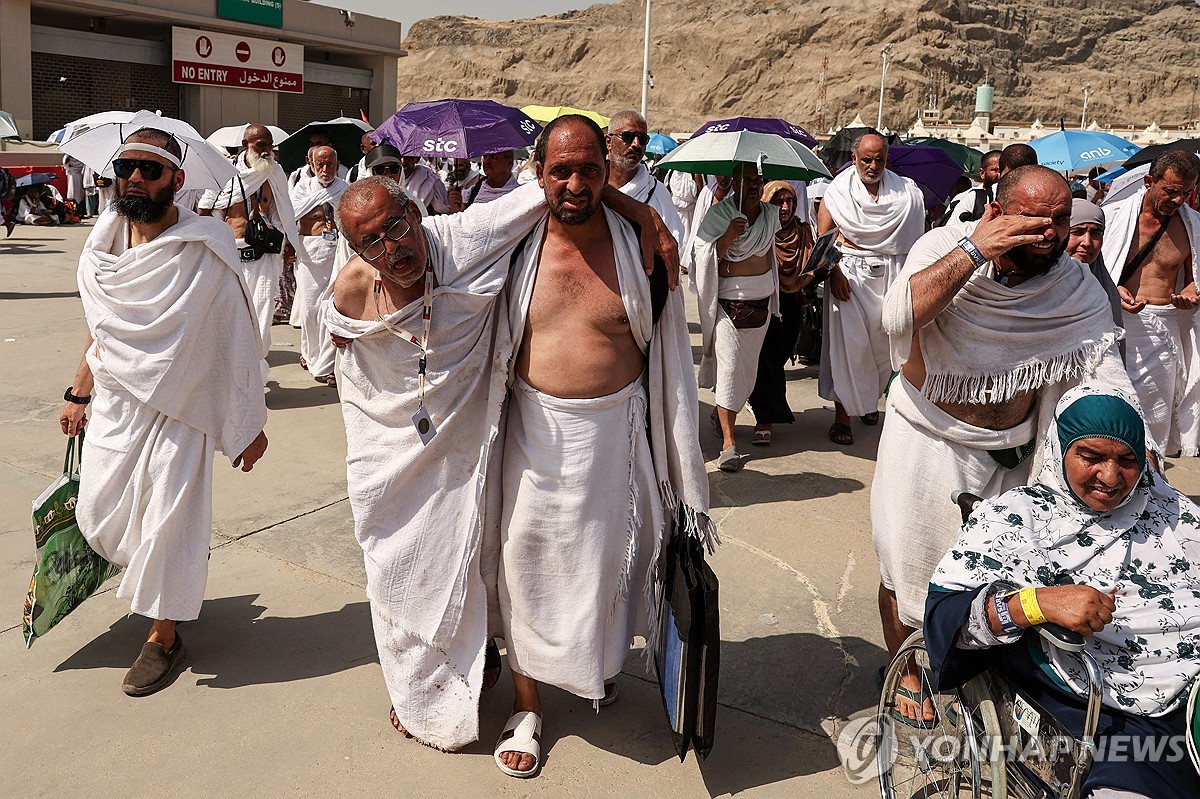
{"x": 776, "y": 158}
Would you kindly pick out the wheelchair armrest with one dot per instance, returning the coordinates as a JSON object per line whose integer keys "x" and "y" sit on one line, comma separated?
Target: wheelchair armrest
{"x": 1062, "y": 638}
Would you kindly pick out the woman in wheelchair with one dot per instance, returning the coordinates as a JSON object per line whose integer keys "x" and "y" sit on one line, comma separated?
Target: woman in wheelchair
{"x": 1099, "y": 544}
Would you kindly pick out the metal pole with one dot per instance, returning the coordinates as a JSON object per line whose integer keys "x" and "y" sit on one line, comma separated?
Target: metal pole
{"x": 1192, "y": 104}
{"x": 887, "y": 48}
{"x": 1087, "y": 93}
{"x": 646, "y": 63}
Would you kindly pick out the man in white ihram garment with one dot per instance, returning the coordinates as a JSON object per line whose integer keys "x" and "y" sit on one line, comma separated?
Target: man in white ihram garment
{"x": 260, "y": 188}
{"x": 1151, "y": 249}
{"x": 627, "y": 172}
{"x": 314, "y": 201}
{"x": 422, "y": 411}
{"x": 173, "y": 360}
{"x": 601, "y": 448}
{"x": 879, "y": 215}
{"x": 685, "y": 190}
{"x": 734, "y": 274}
{"x": 423, "y": 183}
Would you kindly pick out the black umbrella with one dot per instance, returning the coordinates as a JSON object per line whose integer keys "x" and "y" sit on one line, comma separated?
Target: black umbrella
{"x": 1150, "y": 153}
{"x": 346, "y": 133}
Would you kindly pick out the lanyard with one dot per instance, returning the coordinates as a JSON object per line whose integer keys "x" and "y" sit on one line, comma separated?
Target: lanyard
{"x": 423, "y": 342}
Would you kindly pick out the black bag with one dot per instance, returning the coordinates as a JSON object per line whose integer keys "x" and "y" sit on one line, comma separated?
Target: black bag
{"x": 688, "y": 654}
{"x": 263, "y": 238}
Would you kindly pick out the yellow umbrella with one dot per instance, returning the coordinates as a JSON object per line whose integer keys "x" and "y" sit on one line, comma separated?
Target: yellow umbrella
{"x": 545, "y": 113}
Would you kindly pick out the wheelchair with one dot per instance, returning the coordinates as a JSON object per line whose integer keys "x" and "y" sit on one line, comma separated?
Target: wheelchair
{"x": 986, "y": 739}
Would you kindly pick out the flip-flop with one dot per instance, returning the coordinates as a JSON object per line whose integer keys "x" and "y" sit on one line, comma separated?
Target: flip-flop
{"x": 917, "y": 698}
{"x": 610, "y": 694}
{"x": 729, "y": 460}
{"x": 491, "y": 662}
{"x": 871, "y": 419}
{"x": 523, "y": 734}
{"x": 841, "y": 434}
{"x": 303, "y": 363}
{"x": 762, "y": 438}
{"x": 395, "y": 721}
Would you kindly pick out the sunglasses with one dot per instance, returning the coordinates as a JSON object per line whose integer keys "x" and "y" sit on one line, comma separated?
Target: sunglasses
{"x": 629, "y": 137}
{"x": 391, "y": 169}
{"x": 375, "y": 248}
{"x": 151, "y": 170}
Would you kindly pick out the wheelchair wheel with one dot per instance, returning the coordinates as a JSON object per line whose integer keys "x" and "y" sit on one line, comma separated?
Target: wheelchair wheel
{"x": 948, "y": 756}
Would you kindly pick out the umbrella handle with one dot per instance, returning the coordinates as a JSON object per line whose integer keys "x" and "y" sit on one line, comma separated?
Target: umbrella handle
{"x": 761, "y": 157}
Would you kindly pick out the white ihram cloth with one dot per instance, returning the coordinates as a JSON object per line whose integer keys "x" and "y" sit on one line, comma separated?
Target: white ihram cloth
{"x": 262, "y": 276}
{"x": 730, "y": 356}
{"x": 426, "y": 186}
{"x": 1049, "y": 334}
{"x": 588, "y": 497}
{"x": 487, "y": 192}
{"x": 683, "y": 196}
{"x": 880, "y": 231}
{"x": 176, "y": 375}
{"x": 314, "y": 274}
{"x": 855, "y": 357}
{"x": 417, "y": 509}
{"x": 888, "y": 223}
{"x": 648, "y": 189}
{"x": 1161, "y": 343}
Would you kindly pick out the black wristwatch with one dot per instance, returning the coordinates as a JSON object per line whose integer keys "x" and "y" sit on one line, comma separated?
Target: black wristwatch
{"x": 69, "y": 397}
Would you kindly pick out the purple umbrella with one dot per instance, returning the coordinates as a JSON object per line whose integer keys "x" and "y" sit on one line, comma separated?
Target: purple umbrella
{"x": 457, "y": 129}
{"x": 779, "y": 127}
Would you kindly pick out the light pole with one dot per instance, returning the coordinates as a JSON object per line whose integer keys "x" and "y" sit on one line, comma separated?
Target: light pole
{"x": 646, "y": 63}
{"x": 1192, "y": 105}
{"x": 887, "y": 48}
{"x": 1087, "y": 93}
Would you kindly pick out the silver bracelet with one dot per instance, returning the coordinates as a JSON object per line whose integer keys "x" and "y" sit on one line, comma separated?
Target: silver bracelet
{"x": 968, "y": 246}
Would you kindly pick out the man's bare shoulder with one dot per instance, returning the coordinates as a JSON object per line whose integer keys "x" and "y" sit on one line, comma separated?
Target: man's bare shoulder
{"x": 352, "y": 288}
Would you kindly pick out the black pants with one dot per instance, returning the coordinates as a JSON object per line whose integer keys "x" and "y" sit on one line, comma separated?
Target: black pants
{"x": 769, "y": 398}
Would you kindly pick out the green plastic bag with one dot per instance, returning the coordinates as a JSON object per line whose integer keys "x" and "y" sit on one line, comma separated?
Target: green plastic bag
{"x": 66, "y": 570}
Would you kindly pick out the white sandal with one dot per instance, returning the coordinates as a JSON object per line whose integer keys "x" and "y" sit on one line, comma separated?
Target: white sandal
{"x": 523, "y": 734}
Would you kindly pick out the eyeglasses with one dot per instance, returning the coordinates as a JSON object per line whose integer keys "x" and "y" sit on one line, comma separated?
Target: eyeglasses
{"x": 391, "y": 169}
{"x": 629, "y": 137}
{"x": 375, "y": 248}
{"x": 151, "y": 170}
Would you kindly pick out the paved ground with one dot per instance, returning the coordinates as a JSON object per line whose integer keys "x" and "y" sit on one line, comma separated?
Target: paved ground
{"x": 282, "y": 694}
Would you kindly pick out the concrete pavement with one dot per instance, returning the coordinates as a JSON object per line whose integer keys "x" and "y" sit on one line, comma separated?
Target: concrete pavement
{"x": 282, "y": 694}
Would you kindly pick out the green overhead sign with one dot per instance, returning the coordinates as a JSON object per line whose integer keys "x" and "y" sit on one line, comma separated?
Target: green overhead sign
{"x": 260, "y": 12}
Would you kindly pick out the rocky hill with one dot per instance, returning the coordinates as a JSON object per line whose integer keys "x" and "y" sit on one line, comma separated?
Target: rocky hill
{"x": 716, "y": 58}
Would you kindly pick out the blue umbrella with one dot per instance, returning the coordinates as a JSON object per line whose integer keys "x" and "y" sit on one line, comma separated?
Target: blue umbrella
{"x": 35, "y": 179}
{"x": 457, "y": 129}
{"x": 1081, "y": 149}
{"x": 660, "y": 144}
{"x": 780, "y": 127}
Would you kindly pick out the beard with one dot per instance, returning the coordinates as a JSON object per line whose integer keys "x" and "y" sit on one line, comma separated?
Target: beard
{"x": 1030, "y": 263}
{"x": 406, "y": 279}
{"x": 137, "y": 208}
{"x": 626, "y": 163}
{"x": 572, "y": 216}
{"x": 262, "y": 164}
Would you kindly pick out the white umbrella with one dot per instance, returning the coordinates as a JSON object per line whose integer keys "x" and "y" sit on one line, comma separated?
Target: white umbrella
{"x": 204, "y": 166}
{"x": 775, "y": 157}
{"x": 92, "y": 120}
{"x": 1126, "y": 185}
{"x": 8, "y": 126}
{"x": 231, "y": 136}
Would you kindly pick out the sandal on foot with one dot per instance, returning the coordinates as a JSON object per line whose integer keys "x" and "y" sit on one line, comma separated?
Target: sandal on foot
{"x": 522, "y": 734}
{"x": 762, "y": 438}
{"x": 871, "y": 419}
{"x": 303, "y": 363}
{"x": 919, "y": 699}
{"x": 492, "y": 667}
{"x": 610, "y": 695}
{"x": 729, "y": 460}
{"x": 841, "y": 434}
{"x": 392, "y": 717}
{"x": 328, "y": 380}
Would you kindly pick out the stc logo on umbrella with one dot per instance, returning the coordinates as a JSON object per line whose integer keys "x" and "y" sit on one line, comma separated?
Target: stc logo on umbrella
{"x": 440, "y": 146}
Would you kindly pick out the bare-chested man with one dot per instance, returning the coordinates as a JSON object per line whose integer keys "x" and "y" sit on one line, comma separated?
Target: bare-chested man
{"x": 1151, "y": 243}
{"x": 314, "y": 200}
{"x": 259, "y": 190}
{"x": 990, "y": 323}
{"x": 584, "y": 487}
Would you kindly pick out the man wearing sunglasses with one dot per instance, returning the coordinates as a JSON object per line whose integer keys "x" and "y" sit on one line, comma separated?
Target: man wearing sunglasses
{"x": 260, "y": 191}
{"x": 627, "y": 139}
{"x": 422, "y": 407}
{"x": 172, "y": 361}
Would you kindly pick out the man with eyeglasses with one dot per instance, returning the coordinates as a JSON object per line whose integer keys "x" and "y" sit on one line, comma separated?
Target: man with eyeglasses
{"x": 422, "y": 383}
{"x": 1151, "y": 250}
{"x": 627, "y": 139}
{"x": 172, "y": 359}
{"x": 314, "y": 200}
{"x": 259, "y": 191}
{"x": 879, "y": 215}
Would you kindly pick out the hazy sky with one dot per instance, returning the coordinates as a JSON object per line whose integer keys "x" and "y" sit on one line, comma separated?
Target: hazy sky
{"x": 408, "y": 12}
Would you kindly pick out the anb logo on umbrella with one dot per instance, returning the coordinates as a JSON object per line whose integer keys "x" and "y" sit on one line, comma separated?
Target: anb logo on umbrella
{"x": 1098, "y": 154}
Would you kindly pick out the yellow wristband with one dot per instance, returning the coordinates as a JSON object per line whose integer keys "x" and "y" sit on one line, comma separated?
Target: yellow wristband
{"x": 1029, "y": 604}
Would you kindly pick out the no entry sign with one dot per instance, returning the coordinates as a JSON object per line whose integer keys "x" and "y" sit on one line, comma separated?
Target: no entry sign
{"x": 241, "y": 62}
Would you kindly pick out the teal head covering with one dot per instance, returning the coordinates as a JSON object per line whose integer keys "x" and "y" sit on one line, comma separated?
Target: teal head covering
{"x": 1099, "y": 415}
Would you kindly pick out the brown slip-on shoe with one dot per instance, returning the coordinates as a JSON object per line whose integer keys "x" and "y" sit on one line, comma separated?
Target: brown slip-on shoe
{"x": 153, "y": 669}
